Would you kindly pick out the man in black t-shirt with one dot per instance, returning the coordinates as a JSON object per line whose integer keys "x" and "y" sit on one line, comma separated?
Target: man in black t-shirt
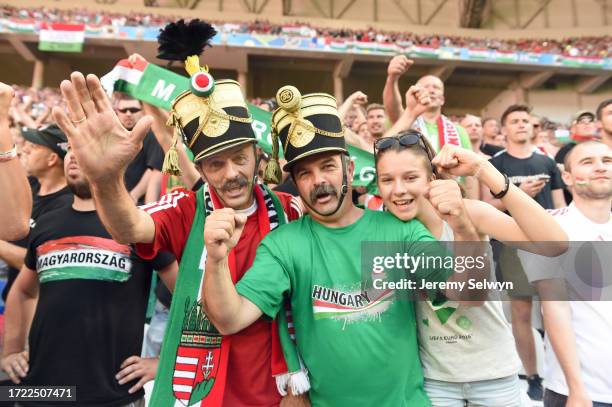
{"x": 44, "y": 153}
{"x": 146, "y": 166}
{"x": 524, "y": 164}
{"x": 90, "y": 296}
{"x": 538, "y": 176}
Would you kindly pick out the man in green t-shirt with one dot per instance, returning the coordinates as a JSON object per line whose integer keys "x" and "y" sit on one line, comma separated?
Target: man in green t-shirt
{"x": 359, "y": 345}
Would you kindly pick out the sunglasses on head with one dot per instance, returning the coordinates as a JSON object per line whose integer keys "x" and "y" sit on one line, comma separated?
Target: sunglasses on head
{"x": 405, "y": 139}
{"x": 130, "y": 109}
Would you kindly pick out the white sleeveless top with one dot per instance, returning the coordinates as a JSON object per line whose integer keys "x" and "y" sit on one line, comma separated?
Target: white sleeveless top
{"x": 458, "y": 343}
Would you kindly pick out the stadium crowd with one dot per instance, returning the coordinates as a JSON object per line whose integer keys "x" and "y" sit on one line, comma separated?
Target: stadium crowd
{"x": 599, "y": 47}
{"x": 104, "y": 219}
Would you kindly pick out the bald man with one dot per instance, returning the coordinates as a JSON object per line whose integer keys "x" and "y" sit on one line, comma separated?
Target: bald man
{"x": 438, "y": 129}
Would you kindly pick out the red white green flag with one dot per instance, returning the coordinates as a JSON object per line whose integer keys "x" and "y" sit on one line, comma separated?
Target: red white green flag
{"x": 60, "y": 37}
{"x": 20, "y": 25}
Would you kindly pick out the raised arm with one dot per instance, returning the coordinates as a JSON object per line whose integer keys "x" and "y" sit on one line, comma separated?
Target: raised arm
{"x": 529, "y": 222}
{"x": 392, "y": 97}
{"x": 104, "y": 148}
{"x": 16, "y": 202}
{"x": 417, "y": 101}
{"x": 358, "y": 98}
{"x": 354, "y": 140}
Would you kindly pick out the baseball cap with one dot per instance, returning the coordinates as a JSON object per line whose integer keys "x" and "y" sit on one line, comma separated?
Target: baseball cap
{"x": 50, "y": 136}
{"x": 584, "y": 113}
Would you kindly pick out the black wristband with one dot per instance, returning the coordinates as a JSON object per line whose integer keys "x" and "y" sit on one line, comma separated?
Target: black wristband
{"x": 504, "y": 191}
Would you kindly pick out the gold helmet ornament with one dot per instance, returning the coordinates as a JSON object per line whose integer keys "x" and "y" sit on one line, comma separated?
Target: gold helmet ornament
{"x": 306, "y": 125}
{"x": 212, "y": 115}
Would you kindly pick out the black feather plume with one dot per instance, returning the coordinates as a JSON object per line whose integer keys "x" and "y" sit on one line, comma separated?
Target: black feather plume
{"x": 179, "y": 40}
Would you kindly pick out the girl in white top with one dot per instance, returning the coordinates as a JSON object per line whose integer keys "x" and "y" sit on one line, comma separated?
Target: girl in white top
{"x": 468, "y": 353}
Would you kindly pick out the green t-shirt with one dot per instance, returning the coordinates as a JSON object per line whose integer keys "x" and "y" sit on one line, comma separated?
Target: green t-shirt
{"x": 359, "y": 350}
{"x": 432, "y": 136}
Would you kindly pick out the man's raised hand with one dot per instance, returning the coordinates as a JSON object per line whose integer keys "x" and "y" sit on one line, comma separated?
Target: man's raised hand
{"x": 398, "y": 66}
{"x": 417, "y": 100}
{"x": 102, "y": 146}
{"x": 7, "y": 94}
{"x": 458, "y": 161}
{"x": 222, "y": 231}
{"x": 358, "y": 98}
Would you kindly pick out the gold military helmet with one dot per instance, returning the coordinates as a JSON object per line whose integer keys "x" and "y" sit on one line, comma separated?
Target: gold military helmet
{"x": 305, "y": 125}
{"x": 212, "y": 115}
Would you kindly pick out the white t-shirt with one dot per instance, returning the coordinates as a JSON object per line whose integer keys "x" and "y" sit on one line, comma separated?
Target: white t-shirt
{"x": 458, "y": 343}
{"x": 592, "y": 320}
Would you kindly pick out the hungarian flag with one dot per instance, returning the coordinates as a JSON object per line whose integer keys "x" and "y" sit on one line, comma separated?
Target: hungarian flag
{"x": 506, "y": 56}
{"x": 94, "y": 29}
{"x": 338, "y": 45}
{"x": 424, "y": 52}
{"x": 20, "y": 25}
{"x": 365, "y": 45}
{"x": 404, "y": 44}
{"x": 386, "y": 47}
{"x": 583, "y": 62}
{"x": 124, "y": 77}
{"x": 480, "y": 54}
{"x": 60, "y": 37}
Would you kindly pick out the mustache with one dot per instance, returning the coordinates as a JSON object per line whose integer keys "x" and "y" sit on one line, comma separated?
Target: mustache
{"x": 321, "y": 190}
{"x": 235, "y": 183}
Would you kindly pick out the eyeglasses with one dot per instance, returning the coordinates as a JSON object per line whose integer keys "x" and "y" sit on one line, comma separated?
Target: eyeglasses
{"x": 405, "y": 139}
{"x": 132, "y": 110}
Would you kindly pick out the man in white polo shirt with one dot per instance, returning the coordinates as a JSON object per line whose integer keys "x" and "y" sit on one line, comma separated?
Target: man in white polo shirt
{"x": 578, "y": 331}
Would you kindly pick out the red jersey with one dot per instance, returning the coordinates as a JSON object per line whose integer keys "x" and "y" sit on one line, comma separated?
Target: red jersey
{"x": 249, "y": 381}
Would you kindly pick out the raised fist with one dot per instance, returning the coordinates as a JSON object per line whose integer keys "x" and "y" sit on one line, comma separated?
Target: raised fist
{"x": 7, "y": 94}
{"x": 417, "y": 100}
{"x": 222, "y": 230}
{"x": 445, "y": 197}
{"x": 359, "y": 98}
{"x": 458, "y": 161}
{"x": 398, "y": 66}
